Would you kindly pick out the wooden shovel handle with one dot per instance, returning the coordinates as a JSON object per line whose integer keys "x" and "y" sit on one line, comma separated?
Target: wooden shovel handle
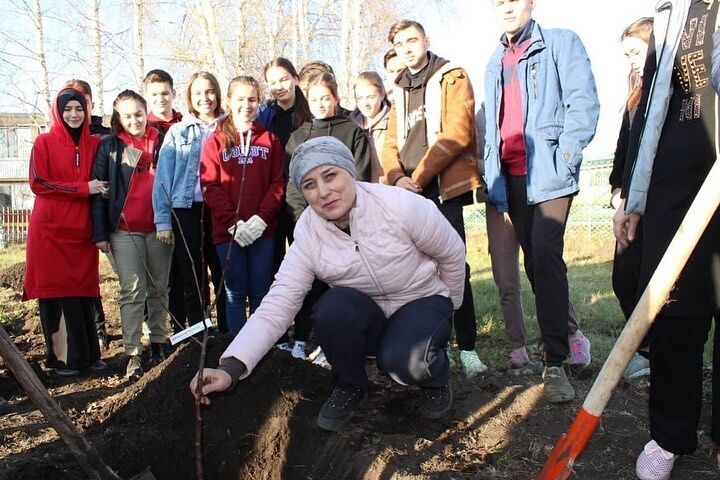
{"x": 559, "y": 464}
{"x": 85, "y": 454}
{"x": 656, "y": 294}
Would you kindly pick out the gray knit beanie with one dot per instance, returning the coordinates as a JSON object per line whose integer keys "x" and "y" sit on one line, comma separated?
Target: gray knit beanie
{"x": 320, "y": 151}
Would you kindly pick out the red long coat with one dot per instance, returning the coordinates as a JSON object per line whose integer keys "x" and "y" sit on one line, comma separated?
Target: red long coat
{"x": 61, "y": 259}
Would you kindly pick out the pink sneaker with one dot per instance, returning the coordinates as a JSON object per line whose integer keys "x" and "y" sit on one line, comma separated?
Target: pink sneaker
{"x": 579, "y": 349}
{"x": 654, "y": 462}
{"x": 519, "y": 358}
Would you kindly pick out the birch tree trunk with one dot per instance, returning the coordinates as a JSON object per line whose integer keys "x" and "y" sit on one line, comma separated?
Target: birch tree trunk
{"x": 344, "y": 70}
{"x": 240, "y": 36}
{"x": 214, "y": 42}
{"x": 42, "y": 60}
{"x": 138, "y": 58}
{"x": 96, "y": 43}
{"x": 303, "y": 32}
{"x": 295, "y": 34}
{"x": 356, "y": 50}
{"x": 274, "y": 29}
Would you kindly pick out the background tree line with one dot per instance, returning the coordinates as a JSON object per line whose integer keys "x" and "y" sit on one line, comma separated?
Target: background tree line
{"x": 112, "y": 43}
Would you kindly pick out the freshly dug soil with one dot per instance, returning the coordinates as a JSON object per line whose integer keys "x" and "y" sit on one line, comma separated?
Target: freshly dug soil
{"x": 12, "y": 277}
{"x": 498, "y": 428}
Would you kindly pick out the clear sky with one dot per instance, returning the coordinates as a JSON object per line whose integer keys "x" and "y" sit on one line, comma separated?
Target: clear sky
{"x": 468, "y": 34}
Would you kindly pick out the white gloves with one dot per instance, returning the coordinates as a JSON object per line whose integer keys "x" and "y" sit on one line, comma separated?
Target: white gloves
{"x": 247, "y": 232}
{"x": 165, "y": 237}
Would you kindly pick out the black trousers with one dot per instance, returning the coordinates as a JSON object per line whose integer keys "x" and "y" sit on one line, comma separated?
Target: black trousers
{"x": 625, "y": 278}
{"x": 68, "y": 325}
{"x": 99, "y": 314}
{"x": 464, "y": 319}
{"x": 540, "y": 230}
{"x": 410, "y": 345}
{"x": 188, "y": 275}
{"x": 283, "y": 236}
{"x": 303, "y": 320}
{"x": 676, "y": 365}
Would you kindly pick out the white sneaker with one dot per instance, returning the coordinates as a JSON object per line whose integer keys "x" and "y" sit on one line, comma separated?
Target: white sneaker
{"x": 284, "y": 346}
{"x": 654, "y": 462}
{"x": 639, "y": 366}
{"x": 318, "y": 358}
{"x": 471, "y": 363}
{"x": 298, "y": 350}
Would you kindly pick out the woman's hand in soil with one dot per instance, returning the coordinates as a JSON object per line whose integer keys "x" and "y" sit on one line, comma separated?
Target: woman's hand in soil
{"x": 214, "y": 380}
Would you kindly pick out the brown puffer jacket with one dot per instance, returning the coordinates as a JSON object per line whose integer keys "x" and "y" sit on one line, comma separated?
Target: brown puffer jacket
{"x": 450, "y": 118}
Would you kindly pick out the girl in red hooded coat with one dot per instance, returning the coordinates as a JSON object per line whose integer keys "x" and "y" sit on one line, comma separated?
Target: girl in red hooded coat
{"x": 61, "y": 260}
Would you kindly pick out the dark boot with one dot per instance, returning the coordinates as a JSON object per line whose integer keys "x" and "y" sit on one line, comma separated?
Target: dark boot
{"x": 435, "y": 402}
{"x": 339, "y": 407}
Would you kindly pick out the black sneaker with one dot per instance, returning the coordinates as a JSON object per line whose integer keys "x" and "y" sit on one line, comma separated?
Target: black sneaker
{"x": 339, "y": 407}
{"x": 435, "y": 402}
{"x": 98, "y": 366}
{"x": 157, "y": 354}
{"x": 66, "y": 372}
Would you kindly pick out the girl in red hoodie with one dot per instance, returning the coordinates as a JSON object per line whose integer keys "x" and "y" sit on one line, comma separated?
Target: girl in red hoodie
{"x": 61, "y": 261}
{"x": 241, "y": 171}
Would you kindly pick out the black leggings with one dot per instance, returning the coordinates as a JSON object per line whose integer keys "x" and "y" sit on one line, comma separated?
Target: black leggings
{"x": 409, "y": 345}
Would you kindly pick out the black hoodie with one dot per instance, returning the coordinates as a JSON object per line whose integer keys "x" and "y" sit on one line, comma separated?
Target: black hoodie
{"x": 340, "y": 127}
{"x": 416, "y": 143}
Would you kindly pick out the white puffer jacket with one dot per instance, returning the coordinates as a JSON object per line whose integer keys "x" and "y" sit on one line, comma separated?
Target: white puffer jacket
{"x": 401, "y": 248}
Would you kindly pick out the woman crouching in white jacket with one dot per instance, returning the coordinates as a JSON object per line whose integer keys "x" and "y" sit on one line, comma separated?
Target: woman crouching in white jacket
{"x": 396, "y": 270}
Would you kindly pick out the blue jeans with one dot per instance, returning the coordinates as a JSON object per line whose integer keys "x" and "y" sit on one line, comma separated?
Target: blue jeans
{"x": 247, "y": 277}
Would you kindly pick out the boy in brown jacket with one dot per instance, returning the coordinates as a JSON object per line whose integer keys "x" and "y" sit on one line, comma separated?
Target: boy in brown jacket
{"x": 430, "y": 149}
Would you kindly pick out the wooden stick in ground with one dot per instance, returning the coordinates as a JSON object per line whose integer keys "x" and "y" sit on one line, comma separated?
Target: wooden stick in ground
{"x": 199, "y": 471}
{"x": 559, "y": 464}
{"x": 86, "y": 455}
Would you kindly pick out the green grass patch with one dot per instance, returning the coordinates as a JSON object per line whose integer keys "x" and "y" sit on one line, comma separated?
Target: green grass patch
{"x": 589, "y": 261}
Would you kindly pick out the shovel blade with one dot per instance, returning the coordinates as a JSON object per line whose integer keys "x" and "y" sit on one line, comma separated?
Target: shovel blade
{"x": 561, "y": 460}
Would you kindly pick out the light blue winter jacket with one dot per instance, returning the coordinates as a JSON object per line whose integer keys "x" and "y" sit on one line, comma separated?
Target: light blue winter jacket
{"x": 177, "y": 170}
{"x": 561, "y": 113}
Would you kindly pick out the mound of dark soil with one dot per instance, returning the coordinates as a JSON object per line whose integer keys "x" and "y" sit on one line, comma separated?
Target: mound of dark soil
{"x": 499, "y": 428}
{"x": 12, "y": 277}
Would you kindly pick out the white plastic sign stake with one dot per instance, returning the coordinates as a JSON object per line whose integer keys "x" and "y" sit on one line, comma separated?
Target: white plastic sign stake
{"x": 190, "y": 331}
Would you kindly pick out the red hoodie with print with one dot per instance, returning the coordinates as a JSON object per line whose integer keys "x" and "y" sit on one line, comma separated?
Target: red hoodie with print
{"x": 225, "y": 172}
{"x": 61, "y": 259}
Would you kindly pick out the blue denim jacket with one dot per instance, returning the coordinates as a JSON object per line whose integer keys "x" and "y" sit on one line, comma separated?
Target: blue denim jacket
{"x": 177, "y": 170}
{"x": 266, "y": 116}
{"x": 561, "y": 113}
